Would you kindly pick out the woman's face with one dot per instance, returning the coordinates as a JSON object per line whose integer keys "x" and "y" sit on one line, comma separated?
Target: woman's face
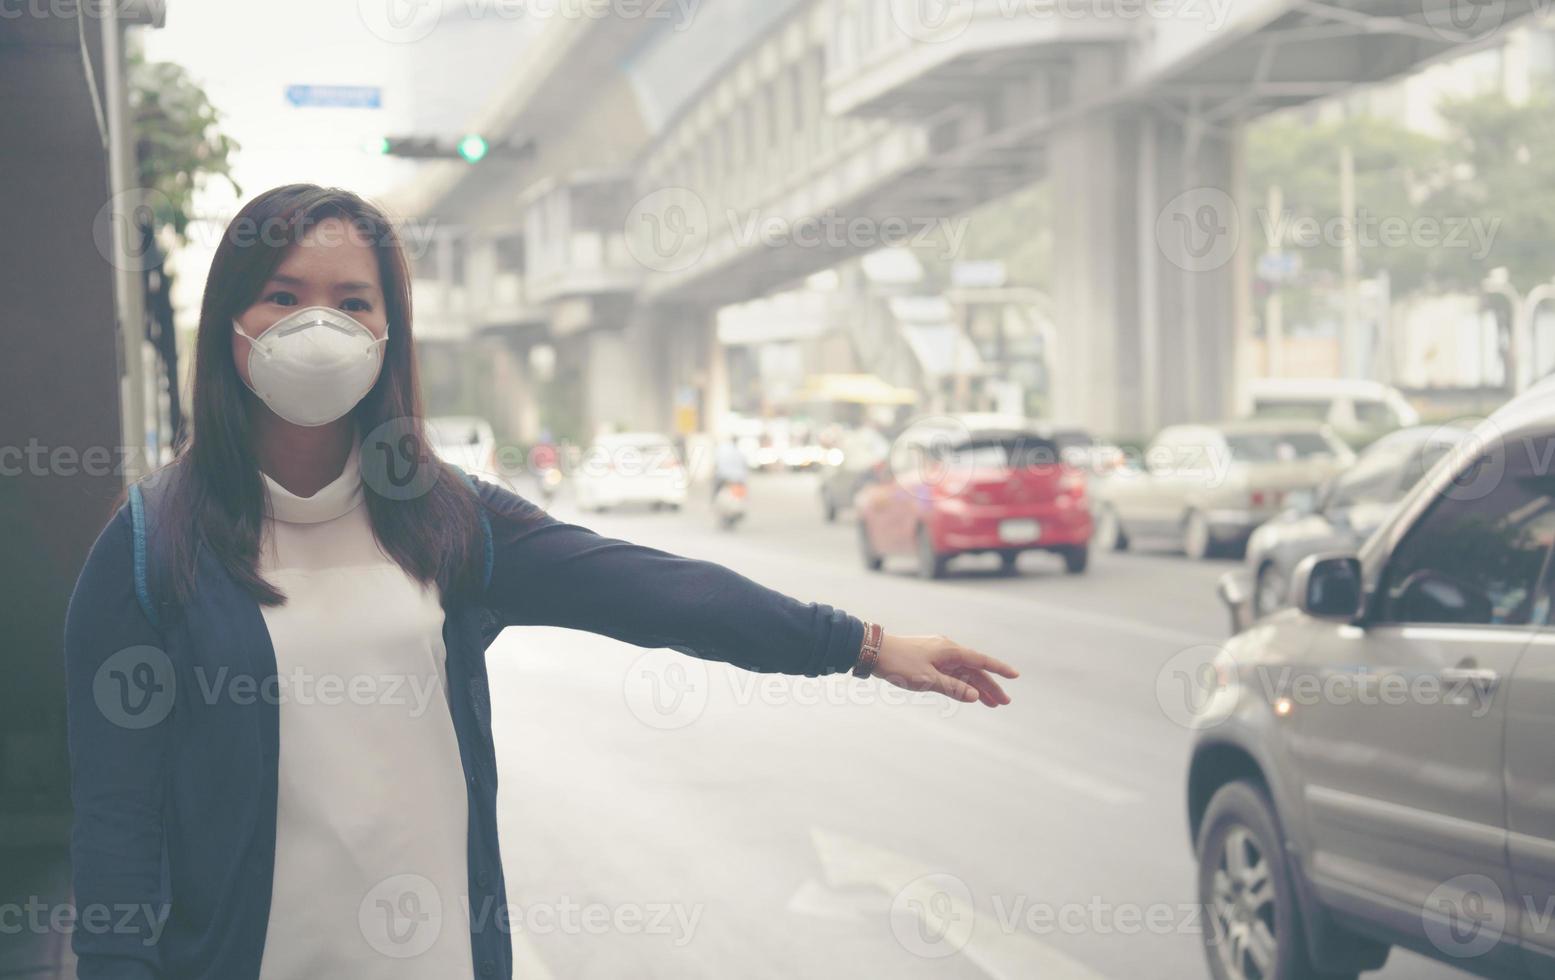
{"x": 331, "y": 266}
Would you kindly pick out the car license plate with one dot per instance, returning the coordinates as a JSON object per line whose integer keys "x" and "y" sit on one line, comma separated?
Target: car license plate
{"x": 1018, "y": 531}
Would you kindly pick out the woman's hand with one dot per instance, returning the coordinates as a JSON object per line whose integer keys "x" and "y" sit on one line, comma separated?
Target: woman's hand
{"x": 935, "y": 663}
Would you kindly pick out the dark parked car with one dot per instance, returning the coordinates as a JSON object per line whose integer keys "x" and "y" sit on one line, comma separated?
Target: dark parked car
{"x": 1343, "y": 512}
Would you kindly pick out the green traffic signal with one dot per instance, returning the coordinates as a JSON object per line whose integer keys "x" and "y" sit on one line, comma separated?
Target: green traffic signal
{"x": 472, "y": 148}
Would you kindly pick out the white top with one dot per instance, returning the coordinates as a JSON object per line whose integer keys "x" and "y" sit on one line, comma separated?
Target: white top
{"x": 371, "y": 870}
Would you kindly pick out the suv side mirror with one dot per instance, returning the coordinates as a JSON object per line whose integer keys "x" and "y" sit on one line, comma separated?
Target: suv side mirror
{"x": 1328, "y": 586}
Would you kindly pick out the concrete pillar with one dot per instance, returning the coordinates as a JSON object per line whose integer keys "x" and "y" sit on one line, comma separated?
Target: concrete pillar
{"x": 611, "y": 376}
{"x": 515, "y": 392}
{"x": 624, "y": 376}
{"x": 715, "y": 399}
{"x": 1146, "y": 285}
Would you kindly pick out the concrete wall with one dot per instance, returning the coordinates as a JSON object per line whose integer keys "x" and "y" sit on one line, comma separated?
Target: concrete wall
{"x": 59, "y": 389}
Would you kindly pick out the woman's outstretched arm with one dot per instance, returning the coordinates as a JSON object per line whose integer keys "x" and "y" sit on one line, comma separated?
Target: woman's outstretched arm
{"x": 548, "y": 572}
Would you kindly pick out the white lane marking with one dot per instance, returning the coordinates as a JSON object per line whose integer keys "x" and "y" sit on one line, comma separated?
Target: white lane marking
{"x": 947, "y": 921}
{"x": 1055, "y": 774}
{"x": 813, "y": 897}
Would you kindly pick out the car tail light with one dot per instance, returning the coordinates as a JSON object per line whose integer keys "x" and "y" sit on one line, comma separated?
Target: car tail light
{"x": 1266, "y": 498}
{"x": 738, "y": 490}
{"x": 1071, "y": 481}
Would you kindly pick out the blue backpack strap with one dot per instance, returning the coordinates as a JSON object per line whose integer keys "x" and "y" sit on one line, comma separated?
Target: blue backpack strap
{"x": 138, "y": 520}
{"x": 480, "y": 508}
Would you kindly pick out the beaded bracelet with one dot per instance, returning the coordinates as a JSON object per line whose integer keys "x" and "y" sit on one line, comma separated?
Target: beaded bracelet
{"x": 869, "y": 655}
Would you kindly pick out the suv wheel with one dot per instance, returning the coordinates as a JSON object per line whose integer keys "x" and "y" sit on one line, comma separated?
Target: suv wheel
{"x": 1252, "y": 926}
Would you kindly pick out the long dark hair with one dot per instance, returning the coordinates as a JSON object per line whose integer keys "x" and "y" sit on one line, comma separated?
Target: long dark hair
{"x": 215, "y": 479}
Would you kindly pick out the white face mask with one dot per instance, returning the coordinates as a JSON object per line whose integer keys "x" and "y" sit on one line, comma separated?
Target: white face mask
{"x": 313, "y": 365}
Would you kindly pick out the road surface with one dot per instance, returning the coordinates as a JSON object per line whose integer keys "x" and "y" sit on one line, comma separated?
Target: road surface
{"x": 666, "y": 817}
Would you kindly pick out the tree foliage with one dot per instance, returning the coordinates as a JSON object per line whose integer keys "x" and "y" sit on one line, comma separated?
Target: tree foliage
{"x": 1434, "y": 212}
{"x": 178, "y": 140}
{"x": 1505, "y": 163}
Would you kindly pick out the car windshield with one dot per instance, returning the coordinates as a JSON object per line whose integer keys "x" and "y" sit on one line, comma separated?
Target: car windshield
{"x": 1005, "y": 453}
{"x": 1374, "y": 415}
{"x": 1277, "y": 447}
{"x": 1291, "y": 408}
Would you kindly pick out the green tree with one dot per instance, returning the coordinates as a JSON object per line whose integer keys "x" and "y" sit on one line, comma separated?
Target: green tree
{"x": 1395, "y": 169}
{"x": 1504, "y": 158}
{"x": 178, "y": 141}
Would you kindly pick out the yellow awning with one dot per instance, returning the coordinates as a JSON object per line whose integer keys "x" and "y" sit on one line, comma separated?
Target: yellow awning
{"x": 860, "y": 389}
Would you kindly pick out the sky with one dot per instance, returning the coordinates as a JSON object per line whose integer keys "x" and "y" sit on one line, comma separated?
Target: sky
{"x": 245, "y": 55}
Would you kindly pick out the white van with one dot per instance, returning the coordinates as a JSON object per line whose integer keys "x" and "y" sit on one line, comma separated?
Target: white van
{"x": 1353, "y": 407}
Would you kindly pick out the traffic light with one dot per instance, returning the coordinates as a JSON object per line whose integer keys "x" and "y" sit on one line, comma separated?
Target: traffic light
{"x": 472, "y": 148}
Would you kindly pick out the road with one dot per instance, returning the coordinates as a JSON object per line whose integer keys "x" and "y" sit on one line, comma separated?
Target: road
{"x": 667, "y": 817}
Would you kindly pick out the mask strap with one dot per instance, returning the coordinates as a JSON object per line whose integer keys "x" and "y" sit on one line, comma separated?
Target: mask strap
{"x": 255, "y": 344}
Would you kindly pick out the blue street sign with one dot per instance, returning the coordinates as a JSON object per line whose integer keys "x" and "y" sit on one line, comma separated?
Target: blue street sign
{"x": 1279, "y": 267}
{"x": 335, "y": 96}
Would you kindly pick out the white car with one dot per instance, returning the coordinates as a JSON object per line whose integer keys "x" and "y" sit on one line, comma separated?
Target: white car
{"x": 1209, "y": 486}
{"x": 1356, "y": 408}
{"x": 630, "y": 468}
{"x": 468, "y": 442}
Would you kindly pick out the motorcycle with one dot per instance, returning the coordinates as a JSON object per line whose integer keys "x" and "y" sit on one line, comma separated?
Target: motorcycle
{"x": 729, "y": 504}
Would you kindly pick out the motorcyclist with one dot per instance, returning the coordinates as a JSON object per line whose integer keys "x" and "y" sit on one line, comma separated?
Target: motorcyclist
{"x": 729, "y": 465}
{"x": 545, "y": 459}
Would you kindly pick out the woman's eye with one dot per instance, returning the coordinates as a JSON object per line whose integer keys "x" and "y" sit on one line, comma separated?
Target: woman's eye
{"x": 362, "y": 306}
{"x": 281, "y": 298}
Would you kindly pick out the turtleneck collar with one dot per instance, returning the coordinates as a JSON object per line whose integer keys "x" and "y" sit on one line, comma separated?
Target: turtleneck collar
{"x": 335, "y": 498}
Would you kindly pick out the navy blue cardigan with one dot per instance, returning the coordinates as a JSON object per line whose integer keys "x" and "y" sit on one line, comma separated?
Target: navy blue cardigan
{"x": 173, "y": 843}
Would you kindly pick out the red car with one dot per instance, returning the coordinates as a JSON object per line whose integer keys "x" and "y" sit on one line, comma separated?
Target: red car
{"x": 1001, "y": 491}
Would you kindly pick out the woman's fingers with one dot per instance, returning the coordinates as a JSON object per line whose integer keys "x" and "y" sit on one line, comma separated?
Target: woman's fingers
{"x": 958, "y": 689}
{"x": 974, "y": 668}
{"x": 991, "y": 693}
{"x": 938, "y": 663}
{"x": 984, "y": 662}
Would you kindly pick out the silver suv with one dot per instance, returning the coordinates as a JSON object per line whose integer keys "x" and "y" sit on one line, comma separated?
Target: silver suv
{"x": 1376, "y": 766}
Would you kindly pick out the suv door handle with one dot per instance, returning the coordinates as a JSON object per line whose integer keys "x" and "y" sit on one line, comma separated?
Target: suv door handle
{"x": 1463, "y": 679}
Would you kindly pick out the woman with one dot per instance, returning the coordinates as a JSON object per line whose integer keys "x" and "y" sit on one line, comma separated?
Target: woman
{"x": 252, "y": 799}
